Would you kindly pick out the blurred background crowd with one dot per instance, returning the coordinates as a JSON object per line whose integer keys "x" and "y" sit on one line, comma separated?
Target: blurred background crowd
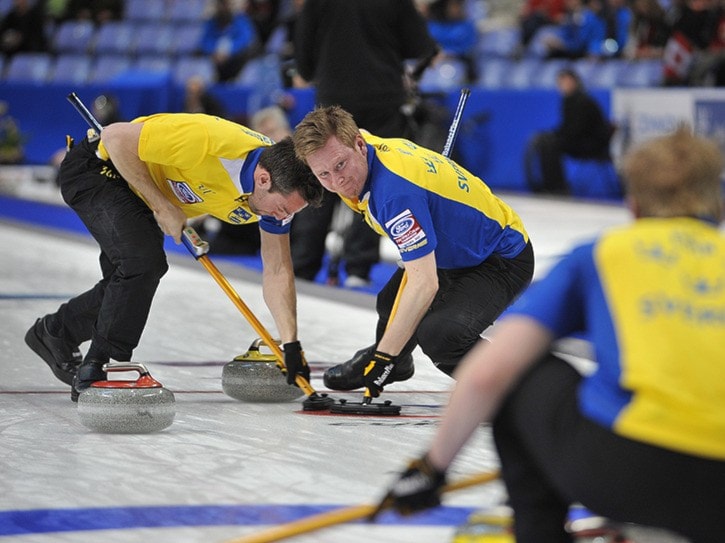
{"x": 207, "y": 48}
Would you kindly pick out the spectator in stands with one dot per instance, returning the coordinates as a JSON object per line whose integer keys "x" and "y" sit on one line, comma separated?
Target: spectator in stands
{"x": 283, "y": 45}
{"x": 98, "y": 11}
{"x": 197, "y": 98}
{"x": 618, "y": 18}
{"x": 536, "y": 14}
{"x": 22, "y": 29}
{"x": 264, "y": 14}
{"x": 454, "y": 32}
{"x": 581, "y": 33}
{"x": 649, "y": 30}
{"x": 354, "y": 52}
{"x": 584, "y": 132}
{"x": 695, "y": 52}
{"x": 229, "y": 38}
{"x": 272, "y": 122}
{"x": 11, "y": 139}
{"x": 106, "y": 109}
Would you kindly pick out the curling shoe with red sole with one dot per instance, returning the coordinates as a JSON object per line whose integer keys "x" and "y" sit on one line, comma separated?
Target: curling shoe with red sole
{"x": 349, "y": 375}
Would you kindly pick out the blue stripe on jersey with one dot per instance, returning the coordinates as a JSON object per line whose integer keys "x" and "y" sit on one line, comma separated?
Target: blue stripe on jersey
{"x": 461, "y": 235}
{"x": 570, "y": 300}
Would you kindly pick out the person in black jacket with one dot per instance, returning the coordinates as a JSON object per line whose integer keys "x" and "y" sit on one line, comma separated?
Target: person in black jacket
{"x": 354, "y": 52}
{"x": 584, "y": 133}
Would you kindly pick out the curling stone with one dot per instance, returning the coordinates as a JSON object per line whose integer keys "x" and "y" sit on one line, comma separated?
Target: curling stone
{"x": 126, "y": 407}
{"x": 255, "y": 377}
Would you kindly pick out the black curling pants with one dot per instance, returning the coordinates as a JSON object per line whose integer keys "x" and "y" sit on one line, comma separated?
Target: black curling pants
{"x": 112, "y": 313}
{"x": 552, "y": 456}
{"x": 467, "y": 302}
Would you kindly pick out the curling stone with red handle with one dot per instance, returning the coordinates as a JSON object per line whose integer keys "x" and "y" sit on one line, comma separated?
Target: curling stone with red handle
{"x": 126, "y": 407}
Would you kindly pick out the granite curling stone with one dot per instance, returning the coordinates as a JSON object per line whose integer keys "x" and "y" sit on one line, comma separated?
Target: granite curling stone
{"x": 126, "y": 407}
{"x": 256, "y": 378}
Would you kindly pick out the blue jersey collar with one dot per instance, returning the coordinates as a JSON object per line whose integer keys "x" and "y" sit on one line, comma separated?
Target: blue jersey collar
{"x": 246, "y": 175}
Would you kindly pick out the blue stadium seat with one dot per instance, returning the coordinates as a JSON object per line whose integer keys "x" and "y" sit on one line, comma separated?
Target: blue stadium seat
{"x": 73, "y": 37}
{"x": 261, "y": 71}
{"x": 494, "y": 72}
{"x": 29, "y": 68}
{"x": 585, "y": 67}
{"x": 152, "y": 63}
{"x": 71, "y": 68}
{"x": 186, "y": 39}
{"x": 106, "y": 67}
{"x": 181, "y": 11}
{"x": 5, "y": 6}
{"x": 643, "y": 73}
{"x": 523, "y": 73}
{"x": 592, "y": 178}
{"x": 185, "y": 67}
{"x": 545, "y": 76}
{"x": 607, "y": 74}
{"x": 154, "y": 39}
{"x": 445, "y": 75}
{"x": 115, "y": 37}
{"x": 145, "y": 10}
{"x": 502, "y": 42}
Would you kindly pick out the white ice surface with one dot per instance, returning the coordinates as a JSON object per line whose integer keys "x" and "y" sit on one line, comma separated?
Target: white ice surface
{"x": 220, "y": 451}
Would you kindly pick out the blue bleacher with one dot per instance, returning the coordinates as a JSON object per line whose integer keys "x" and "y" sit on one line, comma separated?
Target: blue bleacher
{"x": 502, "y": 42}
{"x": 144, "y": 10}
{"x": 184, "y": 11}
{"x": 107, "y": 67}
{"x": 186, "y": 39}
{"x": 606, "y": 74}
{"x": 152, "y": 63}
{"x": 523, "y": 73}
{"x": 73, "y": 37}
{"x": 545, "y": 76}
{"x": 154, "y": 39}
{"x": 71, "y": 68}
{"x": 29, "y": 67}
{"x": 643, "y": 73}
{"x": 494, "y": 72}
{"x": 443, "y": 76}
{"x": 114, "y": 37}
{"x": 5, "y": 6}
{"x": 185, "y": 67}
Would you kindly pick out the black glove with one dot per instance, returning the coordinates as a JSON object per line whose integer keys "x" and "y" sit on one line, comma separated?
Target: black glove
{"x": 377, "y": 372}
{"x": 418, "y": 488}
{"x": 294, "y": 361}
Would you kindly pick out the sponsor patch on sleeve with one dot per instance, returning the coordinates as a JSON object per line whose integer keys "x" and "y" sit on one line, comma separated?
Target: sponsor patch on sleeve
{"x": 406, "y": 232}
{"x": 239, "y": 216}
{"x": 184, "y": 192}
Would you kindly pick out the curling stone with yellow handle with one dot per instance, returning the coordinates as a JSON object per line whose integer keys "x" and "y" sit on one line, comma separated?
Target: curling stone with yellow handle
{"x": 256, "y": 377}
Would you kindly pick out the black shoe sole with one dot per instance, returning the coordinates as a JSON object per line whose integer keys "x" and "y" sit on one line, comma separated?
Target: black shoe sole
{"x": 38, "y": 347}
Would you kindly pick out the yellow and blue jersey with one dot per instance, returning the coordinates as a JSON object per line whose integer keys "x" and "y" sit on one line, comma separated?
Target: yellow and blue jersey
{"x": 651, "y": 298}
{"x": 426, "y": 202}
{"x": 204, "y": 164}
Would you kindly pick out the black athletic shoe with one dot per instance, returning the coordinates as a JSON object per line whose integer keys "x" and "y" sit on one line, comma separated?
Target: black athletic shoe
{"x": 88, "y": 373}
{"x": 349, "y": 375}
{"x": 62, "y": 357}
